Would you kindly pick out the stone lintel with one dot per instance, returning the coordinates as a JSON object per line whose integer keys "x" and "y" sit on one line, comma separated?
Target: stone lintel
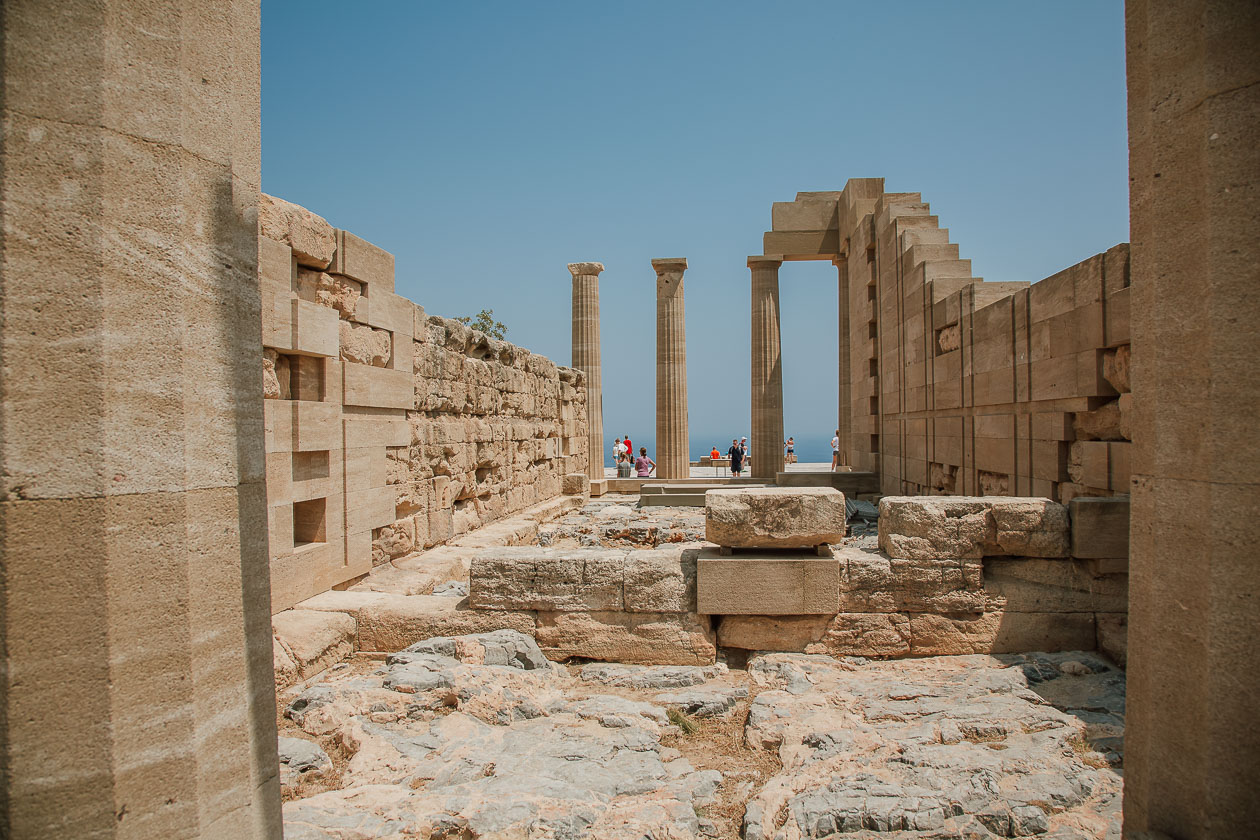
{"x": 586, "y": 269}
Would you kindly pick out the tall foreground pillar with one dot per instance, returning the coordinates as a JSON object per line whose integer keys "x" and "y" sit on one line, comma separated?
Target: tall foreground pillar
{"x": 1192, "y": 748}
{"x": 136, "y": 694}
{"x": 586, "y": 356}
{"x": 844, "y": 417}
{"x": 672, "y": 457}
{"x": 767, "y": 368}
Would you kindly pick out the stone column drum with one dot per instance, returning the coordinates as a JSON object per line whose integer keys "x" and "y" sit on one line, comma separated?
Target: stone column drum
{"x": 672, "y": 457}
{"x": 586, "y": 356}
{"x": 767, "y": 369}
{"x": 844, "y": 417}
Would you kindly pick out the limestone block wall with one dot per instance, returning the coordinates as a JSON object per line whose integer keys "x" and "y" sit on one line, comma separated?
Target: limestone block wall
{"x": 389, "y": 430}
{"x": 960, "y": 386}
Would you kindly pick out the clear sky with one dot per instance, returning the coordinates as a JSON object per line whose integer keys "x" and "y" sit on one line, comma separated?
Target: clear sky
{"x": 487, "y": 144}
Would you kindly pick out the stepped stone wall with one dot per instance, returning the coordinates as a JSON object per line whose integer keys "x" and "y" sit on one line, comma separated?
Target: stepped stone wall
{"x": 388, "y": 429}
{"x": 959, "y": 386}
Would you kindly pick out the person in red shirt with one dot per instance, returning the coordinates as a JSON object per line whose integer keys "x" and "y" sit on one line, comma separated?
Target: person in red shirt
{"x": 629, "y": 448}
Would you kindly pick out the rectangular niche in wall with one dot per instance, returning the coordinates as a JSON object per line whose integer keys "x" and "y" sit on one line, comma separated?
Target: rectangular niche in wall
{"x": 309, "y": 520}
{"x": 301, "y": 377}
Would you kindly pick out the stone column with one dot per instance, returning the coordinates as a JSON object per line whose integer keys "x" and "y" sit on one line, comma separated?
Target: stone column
{"x": 767, "y": 369}
{"x": 586, "y": 357}
{"x": 1191, "y": 744}
{"x": 844, "y": 417}
{"x": 672, "y": 457}
{"x": 138, "y": 696}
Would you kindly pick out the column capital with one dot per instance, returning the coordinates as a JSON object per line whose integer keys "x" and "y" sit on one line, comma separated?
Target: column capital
{"x": 669, "y": 265}
{"x": 765, "y": 261}
{"x": 588, "y": 269}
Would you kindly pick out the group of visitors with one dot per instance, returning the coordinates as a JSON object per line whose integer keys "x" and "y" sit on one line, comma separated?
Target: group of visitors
{"x": 623, "y": 455}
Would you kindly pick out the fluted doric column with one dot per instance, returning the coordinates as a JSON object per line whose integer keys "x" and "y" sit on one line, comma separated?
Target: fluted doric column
{"x": 844, "y": 418}
{"x": 672, "y": 457}
{"x": 586, "y": 357}
{"x": 767, "y": 368}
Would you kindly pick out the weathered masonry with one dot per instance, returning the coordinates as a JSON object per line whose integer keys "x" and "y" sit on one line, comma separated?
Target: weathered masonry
{"x": 950, "y": 384}
{"x": 389, "y": 430}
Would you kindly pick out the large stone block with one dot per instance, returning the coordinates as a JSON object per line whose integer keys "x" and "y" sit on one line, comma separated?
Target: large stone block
{"x": 1000, "y": 632}
{"x": 873, "y": 582}
{"x": 533, "y": 578}
{"x": 866, "y": 634}
{"x": 766, "y": 584}
{"x": 929, "y": 527}
{"x": 774, "y": 517}
{"x": 1100, "y": 526}
{"x": 635, "y": 638}
{"x": 1035, "y": 585}
{"x": 787, "y": 633}
{"x": 661, "y": 581}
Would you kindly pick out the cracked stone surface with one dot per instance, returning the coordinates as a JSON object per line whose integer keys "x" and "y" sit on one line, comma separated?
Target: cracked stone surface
{"x": 480, "y": 736}
{"x": 947, "y": 747}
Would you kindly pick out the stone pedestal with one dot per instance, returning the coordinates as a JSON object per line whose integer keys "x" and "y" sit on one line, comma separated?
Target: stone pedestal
{"x": 137, "y": 689}
{"x": 767, "y": 369}
{"x": 586, "y": 356}
{"x": 672, "y": 458}
{"x": 1191, "y": 742}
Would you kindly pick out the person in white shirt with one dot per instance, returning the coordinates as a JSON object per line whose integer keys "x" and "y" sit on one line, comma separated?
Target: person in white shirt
{"x": 835, "y": 451}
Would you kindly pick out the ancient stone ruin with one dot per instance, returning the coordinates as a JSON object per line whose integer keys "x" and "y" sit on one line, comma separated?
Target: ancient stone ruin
{"x": 385, "y": 589}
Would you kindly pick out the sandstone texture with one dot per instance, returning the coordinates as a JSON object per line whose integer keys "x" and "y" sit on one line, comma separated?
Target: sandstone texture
{"x": 309, "y": 641}
{"x": 774, "y": 517}
{"x": 925, "y": 528}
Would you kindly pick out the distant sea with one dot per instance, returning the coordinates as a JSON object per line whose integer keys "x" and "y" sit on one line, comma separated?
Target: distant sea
{"x": 807, "y": 451}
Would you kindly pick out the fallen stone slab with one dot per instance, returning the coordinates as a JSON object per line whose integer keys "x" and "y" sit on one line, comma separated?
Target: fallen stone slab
{"x": 774, "y": 517}
{"x": 312, "y": 639}
{"x": 971, "y": 527}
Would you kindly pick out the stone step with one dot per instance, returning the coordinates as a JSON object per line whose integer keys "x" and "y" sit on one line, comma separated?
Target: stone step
{"x": 672, "y": 499}
{"x": 848, "y": 483}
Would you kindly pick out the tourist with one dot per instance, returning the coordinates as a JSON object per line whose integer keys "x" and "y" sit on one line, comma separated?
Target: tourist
{"x": 789, "y": 451}
{"x": 714, "y": 455}
{"x": 619, "y": 449}
{"x": 743, "y": 448}
{"x": 736, "y": 454}
{"x": 629, "y": 448}
{"x": 644, "y": 465}
{"x": 623, "y": 465}
{"x": 835, "y": 451}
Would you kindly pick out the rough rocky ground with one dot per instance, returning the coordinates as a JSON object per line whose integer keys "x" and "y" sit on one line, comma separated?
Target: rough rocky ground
{"x": 617, "y": 522}
{"x": 481, "y": 737}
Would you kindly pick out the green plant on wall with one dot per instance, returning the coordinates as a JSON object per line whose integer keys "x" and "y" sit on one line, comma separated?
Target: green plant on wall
{"x": 484, "y": 321}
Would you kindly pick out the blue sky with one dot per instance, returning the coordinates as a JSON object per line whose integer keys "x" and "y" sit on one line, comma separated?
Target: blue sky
{"x": 487, "y": 144}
